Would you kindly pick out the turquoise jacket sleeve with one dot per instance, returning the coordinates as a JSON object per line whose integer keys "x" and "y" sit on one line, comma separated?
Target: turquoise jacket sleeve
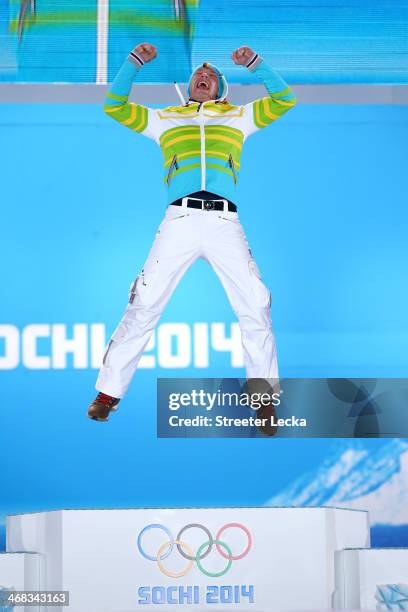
{"x": 116, "y": 105}
{"x": 280, "y": 96}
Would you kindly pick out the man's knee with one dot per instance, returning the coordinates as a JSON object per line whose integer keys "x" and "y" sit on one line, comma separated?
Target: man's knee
{"x": 259, "y": 294}
{"x": 255, "y": 310}
{"x": 145, "y": 291}
{"x": 258, "y": 302}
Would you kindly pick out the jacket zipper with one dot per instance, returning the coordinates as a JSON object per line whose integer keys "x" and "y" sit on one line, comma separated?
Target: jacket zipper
{"x": 174, "y": 164}
{"x": 202, "y": 138}
{"x": 232, "y": 166}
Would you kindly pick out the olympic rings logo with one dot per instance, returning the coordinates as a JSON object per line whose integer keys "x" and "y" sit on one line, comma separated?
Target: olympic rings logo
{"x": 186, "y": 551}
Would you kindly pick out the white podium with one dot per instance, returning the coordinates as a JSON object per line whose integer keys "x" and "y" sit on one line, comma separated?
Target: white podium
{"x": 249, "y": 559}
{"x": 373, "y": 579}
{"x": 20, "y": 572}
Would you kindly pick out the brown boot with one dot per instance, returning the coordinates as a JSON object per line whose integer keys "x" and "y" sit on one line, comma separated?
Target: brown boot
{"x": 267, "y": 411}
{"x": 101, "y": 407}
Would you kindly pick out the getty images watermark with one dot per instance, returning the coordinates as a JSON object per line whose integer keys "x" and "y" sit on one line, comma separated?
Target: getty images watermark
{"x": 303, "y": 408}
{"x": 226, "y": 407}
{"x": 219, "y": 400}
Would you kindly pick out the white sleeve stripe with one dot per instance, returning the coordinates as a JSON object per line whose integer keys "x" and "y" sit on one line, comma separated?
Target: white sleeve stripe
{"x": 254, "y": 62}
{"x": 135, "y": 59}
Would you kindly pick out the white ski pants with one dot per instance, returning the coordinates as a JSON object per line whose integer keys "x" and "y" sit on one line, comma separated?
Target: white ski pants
{"x": 185, "y": 235}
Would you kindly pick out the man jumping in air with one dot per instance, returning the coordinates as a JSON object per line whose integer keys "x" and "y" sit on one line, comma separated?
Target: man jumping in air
{"x": 201, "y": 143}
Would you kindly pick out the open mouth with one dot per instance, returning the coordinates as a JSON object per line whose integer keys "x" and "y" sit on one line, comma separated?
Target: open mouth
{"x": 203, "y": 85}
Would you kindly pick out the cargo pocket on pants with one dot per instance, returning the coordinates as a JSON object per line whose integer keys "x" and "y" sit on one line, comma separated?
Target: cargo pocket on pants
{"x": 106, "y": 352}
{"x": 132, "y": 289}
{"x": 117, "y": 336}
{"x": 142, "y": 286}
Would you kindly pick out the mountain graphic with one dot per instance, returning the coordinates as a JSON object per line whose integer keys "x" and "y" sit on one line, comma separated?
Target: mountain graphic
{"x": 358, "y": 478}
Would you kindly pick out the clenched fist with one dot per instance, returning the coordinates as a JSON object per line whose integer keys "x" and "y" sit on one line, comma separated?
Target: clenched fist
{"x": 146, "y": 51}
{"x": 242, "y": 55}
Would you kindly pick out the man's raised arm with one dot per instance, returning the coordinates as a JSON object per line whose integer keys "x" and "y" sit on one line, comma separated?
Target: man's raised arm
{"x": 280, "y": 98}
{"x": 137, "y": 117}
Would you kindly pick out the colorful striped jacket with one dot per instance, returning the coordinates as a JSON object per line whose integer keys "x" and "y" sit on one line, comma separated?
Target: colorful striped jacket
{"x": 201, "y": 142}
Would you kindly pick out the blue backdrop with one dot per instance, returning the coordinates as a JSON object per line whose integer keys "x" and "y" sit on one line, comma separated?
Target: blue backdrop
{"x": 308, "y": 41}
{"x": 323, "y": 199}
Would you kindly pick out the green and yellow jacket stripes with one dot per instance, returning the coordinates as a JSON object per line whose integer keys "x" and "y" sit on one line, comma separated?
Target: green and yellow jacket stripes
{"x": 201, "y": 142}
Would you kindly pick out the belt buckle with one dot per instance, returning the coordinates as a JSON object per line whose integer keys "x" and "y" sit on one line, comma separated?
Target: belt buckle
{"x": 209, "y": 204}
